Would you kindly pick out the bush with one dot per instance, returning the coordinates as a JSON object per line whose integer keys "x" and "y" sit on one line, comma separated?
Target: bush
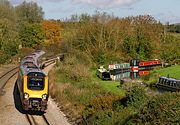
{"x": 136, "y": 97}
{"x": 163, "y": 109}
{"x": 4, "y": 57}
{"x": 102, "y": 117}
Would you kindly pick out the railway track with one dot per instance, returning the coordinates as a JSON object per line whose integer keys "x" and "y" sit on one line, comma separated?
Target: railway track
{"x": 4, "y": 78}
{"x": 37, "y": 120}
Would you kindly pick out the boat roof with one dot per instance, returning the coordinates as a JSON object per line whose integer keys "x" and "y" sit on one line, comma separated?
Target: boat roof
{"x": 168, "y": 78}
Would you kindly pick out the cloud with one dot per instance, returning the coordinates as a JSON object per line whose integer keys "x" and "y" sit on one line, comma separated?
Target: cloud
{"x": 103, "y": 4}
{"x": 167, "y": 17}
{"x": 16, "y": 2}
{"x": 107, "y": 3}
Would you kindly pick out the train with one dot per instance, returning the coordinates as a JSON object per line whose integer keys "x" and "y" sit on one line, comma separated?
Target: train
{"x": 170, "y": 84}
{"x": 33, "y": 83}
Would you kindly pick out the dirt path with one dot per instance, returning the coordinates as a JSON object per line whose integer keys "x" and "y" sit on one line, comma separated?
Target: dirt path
{"x": 11, "y": 113}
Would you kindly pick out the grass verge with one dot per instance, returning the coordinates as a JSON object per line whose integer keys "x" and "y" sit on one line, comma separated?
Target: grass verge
{"x": 109, "y": 86}
{"x": 173, "y": 72}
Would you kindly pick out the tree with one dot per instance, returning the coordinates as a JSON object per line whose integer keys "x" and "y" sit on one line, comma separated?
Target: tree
{"x": 8, "y": 31}
{"x": 53, "y": 31}
{"x": 29, "y": 12}
{"x": 31, "y": 35}
{"x": 7, "y": 11}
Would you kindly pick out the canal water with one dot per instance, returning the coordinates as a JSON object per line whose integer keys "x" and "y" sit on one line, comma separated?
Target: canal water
{"x": 129, "y": 74}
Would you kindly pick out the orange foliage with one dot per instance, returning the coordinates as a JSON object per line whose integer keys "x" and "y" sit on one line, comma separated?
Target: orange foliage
{"x": 53, "y": 31}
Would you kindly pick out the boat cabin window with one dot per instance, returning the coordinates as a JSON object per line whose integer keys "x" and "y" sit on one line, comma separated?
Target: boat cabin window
{"x": 168, "y": 82}
{"x": 164, "y": 81}
{"x": 171, "y": 83}
{"x": 35, "y": 81}
{"x": 178, "y": 84}
{"x": 161, "y": 80}
{"x": 134, "y": 62}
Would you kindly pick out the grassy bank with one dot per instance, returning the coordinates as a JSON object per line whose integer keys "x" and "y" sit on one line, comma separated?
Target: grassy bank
{"x": 109, "y": 86}
{"x": 173, "y": 72}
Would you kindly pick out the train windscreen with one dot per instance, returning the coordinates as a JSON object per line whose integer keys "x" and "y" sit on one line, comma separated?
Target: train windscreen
{"x": 35, "y": 81}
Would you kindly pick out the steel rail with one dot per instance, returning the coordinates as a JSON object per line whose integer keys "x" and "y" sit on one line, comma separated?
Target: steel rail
{"x": 34, "y": 120}
{"x": 5, "y": 77}
{"x": 5, "y": 73}
{"x": 45, "y": 120}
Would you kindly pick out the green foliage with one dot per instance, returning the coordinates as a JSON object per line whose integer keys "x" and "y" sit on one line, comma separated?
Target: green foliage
{"x": 7, "y": 11}
{"x": 170, "y": 48}
{"x": 103, "y": 37}
{"x": 8, "y": 31}
{"x": 163, "y": 109}
{"x": 75, "y": 67}
{"x": 3, "y": 57}
{"x": 136, "y": 97}
{"x": 31, "y": 35}
{"x": 173, "y": 28}
{"x": 29, "y": 12}
{"x": 19, "y": 25}
{"x": 103, "y": 117}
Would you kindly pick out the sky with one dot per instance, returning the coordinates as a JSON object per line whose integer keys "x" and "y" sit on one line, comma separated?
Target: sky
{"x": 163, "y": 10}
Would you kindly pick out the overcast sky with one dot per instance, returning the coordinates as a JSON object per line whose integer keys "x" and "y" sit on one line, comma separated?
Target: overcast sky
{"x": 163, "y": 10}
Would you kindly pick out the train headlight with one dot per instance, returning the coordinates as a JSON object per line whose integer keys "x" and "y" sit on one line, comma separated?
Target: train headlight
{"x": 44, "y": 96}
{"x": 26, "y": 95}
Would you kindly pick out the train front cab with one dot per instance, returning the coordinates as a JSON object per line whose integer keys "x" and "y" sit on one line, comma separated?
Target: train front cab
{"x": 35, "y": 91}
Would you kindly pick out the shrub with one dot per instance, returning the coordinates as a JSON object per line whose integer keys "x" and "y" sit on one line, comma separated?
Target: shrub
{"x": 163, "y": 109}
{"x": 102, "y": 117}
{"x": 3, "y": 57}
{"x": 136, "y": 97}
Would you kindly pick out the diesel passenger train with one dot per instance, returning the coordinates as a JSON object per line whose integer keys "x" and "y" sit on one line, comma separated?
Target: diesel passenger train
{"x": 33, "y": 83}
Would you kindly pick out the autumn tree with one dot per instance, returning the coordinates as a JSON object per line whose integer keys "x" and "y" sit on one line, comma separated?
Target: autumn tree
{"x": 53, "y": 31}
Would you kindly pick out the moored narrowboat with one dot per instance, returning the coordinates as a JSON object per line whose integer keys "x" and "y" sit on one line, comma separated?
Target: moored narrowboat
{"x": 170, "y": 84}
{"x": 103, "y": 73}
